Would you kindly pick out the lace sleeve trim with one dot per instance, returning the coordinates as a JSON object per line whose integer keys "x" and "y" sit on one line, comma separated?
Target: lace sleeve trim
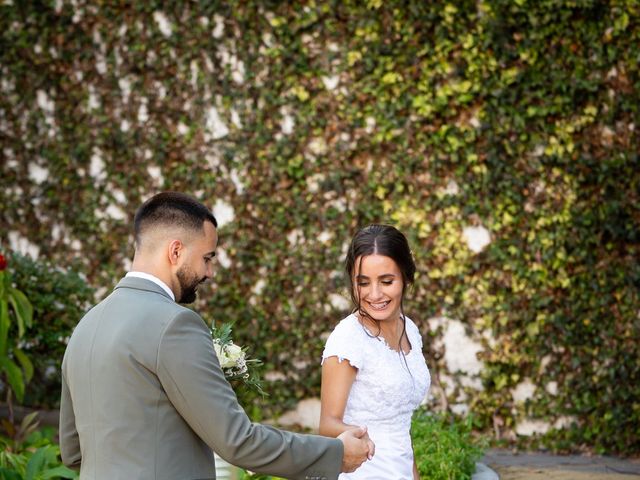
{"x": 341, "y": 359}
{"x": 343, "y": 344}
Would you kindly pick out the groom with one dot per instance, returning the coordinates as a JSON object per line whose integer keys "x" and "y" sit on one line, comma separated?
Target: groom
{"x": 143, "y": 394}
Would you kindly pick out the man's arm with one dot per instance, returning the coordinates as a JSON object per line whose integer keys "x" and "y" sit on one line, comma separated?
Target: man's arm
{"x": 191, "y": 375}
{"x": 69, "y": 439}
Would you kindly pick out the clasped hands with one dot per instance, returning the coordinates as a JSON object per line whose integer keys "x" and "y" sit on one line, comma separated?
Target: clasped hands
{"x": 358, "y": 448}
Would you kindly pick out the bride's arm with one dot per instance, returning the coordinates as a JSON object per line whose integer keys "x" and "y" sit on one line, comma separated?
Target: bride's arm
{"x": 337, "y": 378}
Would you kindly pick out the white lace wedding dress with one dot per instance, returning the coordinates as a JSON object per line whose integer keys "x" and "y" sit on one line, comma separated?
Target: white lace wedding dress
{"x": 383, "y": 397}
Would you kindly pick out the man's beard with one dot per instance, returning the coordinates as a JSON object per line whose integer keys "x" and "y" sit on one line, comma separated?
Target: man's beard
{"x": 188, "y": 285}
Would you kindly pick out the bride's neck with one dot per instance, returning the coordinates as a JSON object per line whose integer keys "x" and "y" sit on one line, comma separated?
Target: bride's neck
{"x": 390, "y": 330}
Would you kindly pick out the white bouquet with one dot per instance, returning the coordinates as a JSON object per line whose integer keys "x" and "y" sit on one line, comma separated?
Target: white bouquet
{"x": 233, "y": 359}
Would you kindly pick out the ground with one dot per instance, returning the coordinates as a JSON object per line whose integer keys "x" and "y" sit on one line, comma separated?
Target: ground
{"x": 529, "y": 473}
{"x": 543, "y": 466}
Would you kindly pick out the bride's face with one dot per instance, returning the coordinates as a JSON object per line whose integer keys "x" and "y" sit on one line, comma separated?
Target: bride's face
{"x": 378, "y": 286}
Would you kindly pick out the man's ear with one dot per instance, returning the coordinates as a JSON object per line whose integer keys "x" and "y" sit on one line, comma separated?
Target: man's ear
{"x": 176, "y": 248}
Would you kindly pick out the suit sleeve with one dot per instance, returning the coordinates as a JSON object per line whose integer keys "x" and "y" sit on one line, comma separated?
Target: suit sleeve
{"x": 191, "y": 375}
{"x": 69, "y": 439}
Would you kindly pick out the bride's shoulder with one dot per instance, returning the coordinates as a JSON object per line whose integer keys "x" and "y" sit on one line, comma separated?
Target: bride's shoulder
{"x": 347, "y": 325}
{"x": 411, "y": 326}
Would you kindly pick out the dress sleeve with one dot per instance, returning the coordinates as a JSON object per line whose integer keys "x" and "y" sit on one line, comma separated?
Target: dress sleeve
{"x": 344, "y": 343}
{"x": 414, "y": 335}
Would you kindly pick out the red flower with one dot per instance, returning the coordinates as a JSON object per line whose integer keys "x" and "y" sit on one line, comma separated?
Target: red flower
{"x": 3, "y": 262}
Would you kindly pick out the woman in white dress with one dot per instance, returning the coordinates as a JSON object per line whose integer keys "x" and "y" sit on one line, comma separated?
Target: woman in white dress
{"x": 373, "y": 370}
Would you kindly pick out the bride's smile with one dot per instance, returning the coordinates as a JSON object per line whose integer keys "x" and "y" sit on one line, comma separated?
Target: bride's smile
{"x": 378, "y": 282}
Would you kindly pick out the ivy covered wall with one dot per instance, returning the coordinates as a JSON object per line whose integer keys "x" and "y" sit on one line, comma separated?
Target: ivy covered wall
{"x": 501, "y": 136}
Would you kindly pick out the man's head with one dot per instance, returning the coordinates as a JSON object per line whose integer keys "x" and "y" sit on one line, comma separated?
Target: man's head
{"x": 175, "y": 239}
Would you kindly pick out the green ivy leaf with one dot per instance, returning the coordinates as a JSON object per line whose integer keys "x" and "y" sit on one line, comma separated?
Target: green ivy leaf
{"x": 22, "y": 308}
{"x": 25, "y": 362}
{"x": 14, "y": 376}
{"x": 36, "y": 463}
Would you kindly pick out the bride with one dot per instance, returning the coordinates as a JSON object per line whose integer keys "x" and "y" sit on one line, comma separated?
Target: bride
{"x": 373, "y": 370}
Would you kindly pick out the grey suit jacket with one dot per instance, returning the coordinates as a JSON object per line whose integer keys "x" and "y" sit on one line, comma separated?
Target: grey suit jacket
{"x": 144, "y": 397}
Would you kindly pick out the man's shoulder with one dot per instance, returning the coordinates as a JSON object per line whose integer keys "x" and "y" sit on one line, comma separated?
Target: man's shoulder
{"x": 157, "y": 304}
{"x": 136, "y": 283}
{"x": 144, "y": 302}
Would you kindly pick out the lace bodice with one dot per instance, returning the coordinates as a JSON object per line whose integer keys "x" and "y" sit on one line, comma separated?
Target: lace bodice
{"x": 386, "y": 390}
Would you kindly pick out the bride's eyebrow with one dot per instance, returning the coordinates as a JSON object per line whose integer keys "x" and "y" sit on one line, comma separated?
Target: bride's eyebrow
{"x": 384, "y": 275}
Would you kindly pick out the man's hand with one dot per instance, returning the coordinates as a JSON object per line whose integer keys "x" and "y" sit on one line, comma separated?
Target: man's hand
{"x": 358, "y": 447}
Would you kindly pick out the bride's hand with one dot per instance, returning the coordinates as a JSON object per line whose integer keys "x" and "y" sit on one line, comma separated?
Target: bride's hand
{"x": 372, "y": 446}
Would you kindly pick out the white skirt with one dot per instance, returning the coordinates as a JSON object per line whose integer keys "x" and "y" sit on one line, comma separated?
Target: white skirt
{"x": 393, "y": 459}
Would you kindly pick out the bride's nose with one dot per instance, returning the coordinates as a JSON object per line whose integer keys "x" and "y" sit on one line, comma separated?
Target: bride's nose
{"x": 376, "y": 292}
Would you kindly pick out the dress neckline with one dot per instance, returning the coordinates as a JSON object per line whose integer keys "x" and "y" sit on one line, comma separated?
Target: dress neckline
{"x": 384, "y": 340}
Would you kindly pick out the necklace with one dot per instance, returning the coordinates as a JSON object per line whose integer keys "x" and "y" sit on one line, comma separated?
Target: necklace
{"x": 381, "y": 337}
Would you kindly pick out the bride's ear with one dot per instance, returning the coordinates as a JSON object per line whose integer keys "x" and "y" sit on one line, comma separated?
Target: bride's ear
{"x": 176, "y": 248}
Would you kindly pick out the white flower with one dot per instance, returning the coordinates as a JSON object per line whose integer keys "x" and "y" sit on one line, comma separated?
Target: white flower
{"x": 233, "y": 360}
{"x": 234, "y": 352}
{"x": 230, "y": 356}
{"x": 225, "y": 361}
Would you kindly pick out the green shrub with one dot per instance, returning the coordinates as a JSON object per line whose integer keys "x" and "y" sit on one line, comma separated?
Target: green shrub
{"x": 29, "y": 453}
{"x": 59, "y": 298}
{"x": 444, "y": 447}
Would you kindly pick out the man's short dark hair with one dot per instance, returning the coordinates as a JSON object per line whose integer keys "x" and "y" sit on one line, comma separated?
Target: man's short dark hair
{"x": 172, "y": 209}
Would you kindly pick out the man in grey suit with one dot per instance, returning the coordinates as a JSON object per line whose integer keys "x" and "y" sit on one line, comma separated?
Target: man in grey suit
{"x": 143, "y": 394}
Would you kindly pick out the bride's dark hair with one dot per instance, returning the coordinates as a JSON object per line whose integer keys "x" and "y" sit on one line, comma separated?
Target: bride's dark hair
{"x": 381, "y": 240}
